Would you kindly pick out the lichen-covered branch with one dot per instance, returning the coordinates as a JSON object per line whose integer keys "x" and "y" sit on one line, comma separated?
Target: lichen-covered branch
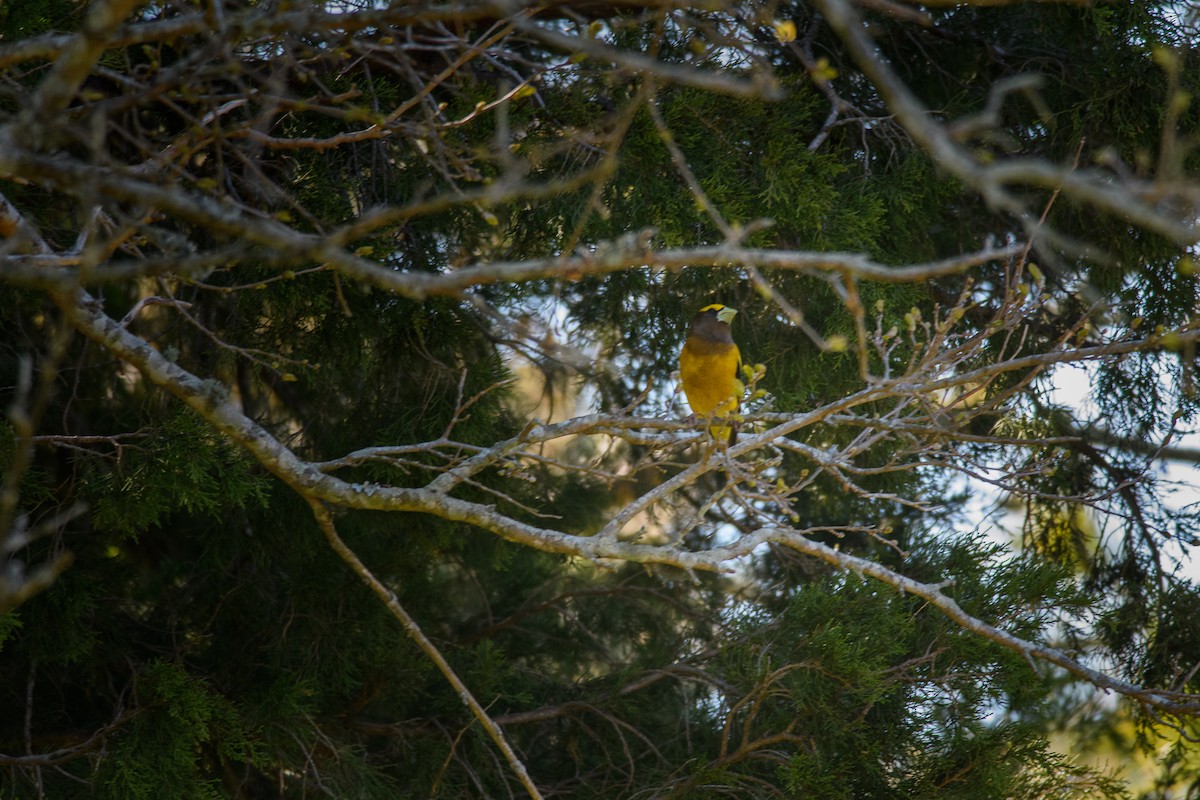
{"x": 316, "y": 485}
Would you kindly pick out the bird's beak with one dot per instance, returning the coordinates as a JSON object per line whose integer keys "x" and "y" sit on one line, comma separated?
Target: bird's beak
{"x": 727, "y": 314}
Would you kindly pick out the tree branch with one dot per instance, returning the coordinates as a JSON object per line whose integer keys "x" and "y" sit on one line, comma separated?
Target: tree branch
{"x": 71, "y": 66}
{"x": 1178, "y": 703}
{"x": 992, "y": 180}
{"x": 325, "y": 521}
{"x": 209, "y": 400}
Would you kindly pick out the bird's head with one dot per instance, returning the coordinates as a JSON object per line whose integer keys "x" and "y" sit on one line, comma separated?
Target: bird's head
{"x": 712, "y": 323}
{"x": 723, "y": 314}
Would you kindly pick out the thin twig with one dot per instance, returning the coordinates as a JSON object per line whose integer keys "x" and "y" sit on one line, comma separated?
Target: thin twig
{"x": 325, "y": 521}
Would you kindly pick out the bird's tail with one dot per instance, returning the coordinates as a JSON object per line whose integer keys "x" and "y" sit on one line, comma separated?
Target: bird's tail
{"x": 725, "y": 427}
{"x": 724, "y": 433}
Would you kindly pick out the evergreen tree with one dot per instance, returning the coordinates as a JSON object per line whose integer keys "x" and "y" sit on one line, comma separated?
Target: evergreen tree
{"x": 282, "y": 282}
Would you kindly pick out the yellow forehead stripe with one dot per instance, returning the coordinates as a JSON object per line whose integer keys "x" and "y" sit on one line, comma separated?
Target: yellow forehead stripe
{"x": 713, "y": 307}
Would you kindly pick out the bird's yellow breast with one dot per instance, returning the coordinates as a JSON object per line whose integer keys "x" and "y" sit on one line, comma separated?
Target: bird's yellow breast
{"x": 708, "y": 372}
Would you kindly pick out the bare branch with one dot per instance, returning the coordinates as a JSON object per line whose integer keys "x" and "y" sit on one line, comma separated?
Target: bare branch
{"x": 761, "y": 84}
{"x": 1130, "y": 201}
{"x": 325, "y": 521}
{"x": 73, "y": 64}
{"x": 1172, "y": 702}
{"x": 318, "y": 488}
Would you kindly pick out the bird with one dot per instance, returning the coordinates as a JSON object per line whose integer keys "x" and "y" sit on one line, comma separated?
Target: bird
{"x": 709, "y": 368}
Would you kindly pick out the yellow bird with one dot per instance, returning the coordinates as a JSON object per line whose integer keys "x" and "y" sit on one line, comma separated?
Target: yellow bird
{"x": 709, "y": 367}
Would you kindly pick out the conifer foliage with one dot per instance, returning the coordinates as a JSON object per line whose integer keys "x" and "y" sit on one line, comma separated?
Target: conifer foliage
{"x": 343, "y": 455}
